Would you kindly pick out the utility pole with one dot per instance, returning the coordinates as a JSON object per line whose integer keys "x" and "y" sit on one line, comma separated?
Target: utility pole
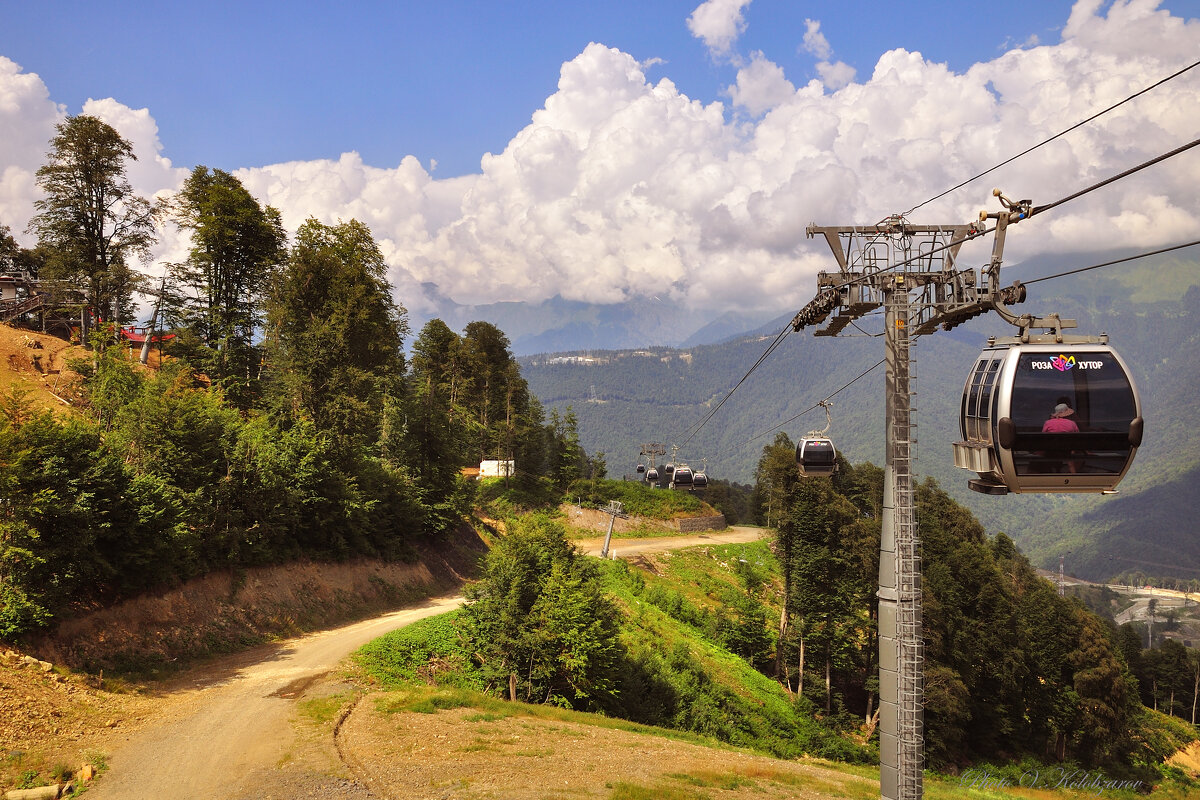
{"x": 614, "y": 509}
{"x": 911, "y": 272}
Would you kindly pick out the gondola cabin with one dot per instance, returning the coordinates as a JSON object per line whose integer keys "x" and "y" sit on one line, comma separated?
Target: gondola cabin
{"x": 683, "y": 477}
{"x": 652, "y": 475}
{"x": 699, "y": 480}
{"x": 641, "y": 468}
{"x": 816, "y": 455}
{"x": 1048, "y": 417}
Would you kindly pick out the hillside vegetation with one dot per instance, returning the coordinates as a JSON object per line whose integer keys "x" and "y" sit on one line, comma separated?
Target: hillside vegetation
{"x": 624, "y": 398}
{"x": 285, "y": 422}
{"x": 690, "y": 641}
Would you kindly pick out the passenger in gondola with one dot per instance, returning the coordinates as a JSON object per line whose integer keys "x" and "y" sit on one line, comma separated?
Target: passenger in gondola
{"x": 1060, "y": 422}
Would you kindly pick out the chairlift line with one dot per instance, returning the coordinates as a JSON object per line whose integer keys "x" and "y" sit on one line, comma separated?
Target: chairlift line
{"x": 973, "y": 232}
{"x": 770, "y": 349}
{"x": 682, "y": 477}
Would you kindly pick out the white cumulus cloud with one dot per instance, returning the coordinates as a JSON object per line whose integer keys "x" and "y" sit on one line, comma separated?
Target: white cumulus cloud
{"x": 834, "y": 74}
{"x": 620, "y": 187}
{"x": 761, "y": 85}
{"x": 718, "y": 23}
{"x": 815, "y": 41}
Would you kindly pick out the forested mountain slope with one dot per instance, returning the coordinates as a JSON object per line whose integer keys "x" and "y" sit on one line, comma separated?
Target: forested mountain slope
{"x": 1149, "y": 308}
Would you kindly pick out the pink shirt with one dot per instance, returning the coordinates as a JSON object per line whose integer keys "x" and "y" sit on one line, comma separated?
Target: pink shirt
{"x": 1060, "y": 425}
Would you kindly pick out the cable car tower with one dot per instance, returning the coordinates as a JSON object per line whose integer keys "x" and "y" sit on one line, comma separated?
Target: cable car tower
{"x": 911, "y": 272}
{"x": 652, "y": 451}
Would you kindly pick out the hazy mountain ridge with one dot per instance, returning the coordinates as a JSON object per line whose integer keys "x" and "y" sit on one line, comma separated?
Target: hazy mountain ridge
{"x": 561, "y": 326}
{"x": 623, "y": 400}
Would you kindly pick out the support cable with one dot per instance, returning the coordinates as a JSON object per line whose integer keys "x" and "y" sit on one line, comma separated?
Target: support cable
{"x": 1181, "y": 149}
{"x": 1061, "y": 133}
{"x": 810, "y": 408}
{"x": 691, "y": 434}
{"x": 1115, "y": 261}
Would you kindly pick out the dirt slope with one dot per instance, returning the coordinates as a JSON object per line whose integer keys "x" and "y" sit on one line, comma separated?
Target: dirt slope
{"x": 38, "y": 363}
{"x": 225, "y": 731}
{"x": 464, "y": 754}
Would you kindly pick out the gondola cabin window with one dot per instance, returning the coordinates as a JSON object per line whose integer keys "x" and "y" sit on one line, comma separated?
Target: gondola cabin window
{"x": 1099, "y": 400}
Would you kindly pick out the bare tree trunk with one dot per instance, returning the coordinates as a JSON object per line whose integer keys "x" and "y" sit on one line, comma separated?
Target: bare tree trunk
{"x": 872, "y": 723}
{"x": 828, "y": 690}
{"x": 1154, "y": 690}
{"x": 800, "y": 677}
{"x": 1171, "y": 707}
{"x": 867, "y": 718}
{"x": 1195, "y": 691}
{"x": 780, "y": 662}
{"x": 512, "y": 687}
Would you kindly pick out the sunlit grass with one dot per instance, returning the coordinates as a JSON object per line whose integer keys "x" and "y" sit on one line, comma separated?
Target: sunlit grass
{"x": 431, "y": 699}
{"x": 323, "y": 709}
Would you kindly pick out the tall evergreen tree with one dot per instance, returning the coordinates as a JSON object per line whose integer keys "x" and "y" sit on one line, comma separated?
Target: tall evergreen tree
{"x": 565, "y": 456}
{"x": 506, "y": 417}
{"x": 236, "y": 246}
{"x": 335, "y": 334}
{"x": 90, "y": 221}
{"x": 428, "y": 433}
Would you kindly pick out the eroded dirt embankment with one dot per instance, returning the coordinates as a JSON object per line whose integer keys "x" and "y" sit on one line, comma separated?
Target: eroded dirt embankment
{"x": 226, "y": 611}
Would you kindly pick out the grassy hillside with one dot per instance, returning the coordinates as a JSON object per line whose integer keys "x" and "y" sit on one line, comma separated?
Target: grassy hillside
{"x": 693, "y": 624}
{"x": 677, "y": 628}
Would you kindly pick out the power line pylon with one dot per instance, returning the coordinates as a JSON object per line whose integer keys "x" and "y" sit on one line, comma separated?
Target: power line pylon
{"x": 911, "y": 272}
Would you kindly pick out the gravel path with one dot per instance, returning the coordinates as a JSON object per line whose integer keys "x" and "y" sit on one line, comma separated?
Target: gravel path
{"x": 227, "y": 730}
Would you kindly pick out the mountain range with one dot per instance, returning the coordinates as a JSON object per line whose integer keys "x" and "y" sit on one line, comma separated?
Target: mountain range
{"x": 558, "y": 325}
{"x": 626, "y": 397}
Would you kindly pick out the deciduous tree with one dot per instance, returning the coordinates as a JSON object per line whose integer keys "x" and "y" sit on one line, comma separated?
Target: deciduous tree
{"x": 90, "y": 221}
{"x": 335, "y": 334}
{"x": 542, "y": 628}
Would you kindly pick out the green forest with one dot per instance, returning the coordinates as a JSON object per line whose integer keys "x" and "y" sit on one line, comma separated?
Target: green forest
{"x": 285, "y": 422}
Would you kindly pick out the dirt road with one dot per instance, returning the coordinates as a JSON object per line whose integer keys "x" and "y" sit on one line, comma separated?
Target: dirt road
{"x": 225, "y": 730}
{"x": 630, "y": 547}
{"x": 224, "y": 726}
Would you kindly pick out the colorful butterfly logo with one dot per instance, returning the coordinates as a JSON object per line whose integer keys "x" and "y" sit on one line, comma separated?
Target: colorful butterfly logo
{"x": 1063, "y": 363}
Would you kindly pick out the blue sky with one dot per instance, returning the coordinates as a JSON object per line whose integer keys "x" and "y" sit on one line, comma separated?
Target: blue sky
{"x": 679, "y": 159}
{"x": 244, "y": 84}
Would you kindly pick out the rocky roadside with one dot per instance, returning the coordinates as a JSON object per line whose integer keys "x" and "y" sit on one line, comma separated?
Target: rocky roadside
{"x": 53, "y": 722}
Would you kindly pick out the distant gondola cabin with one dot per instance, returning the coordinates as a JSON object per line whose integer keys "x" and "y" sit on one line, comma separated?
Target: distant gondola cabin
{"x": 816, "y": 456}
